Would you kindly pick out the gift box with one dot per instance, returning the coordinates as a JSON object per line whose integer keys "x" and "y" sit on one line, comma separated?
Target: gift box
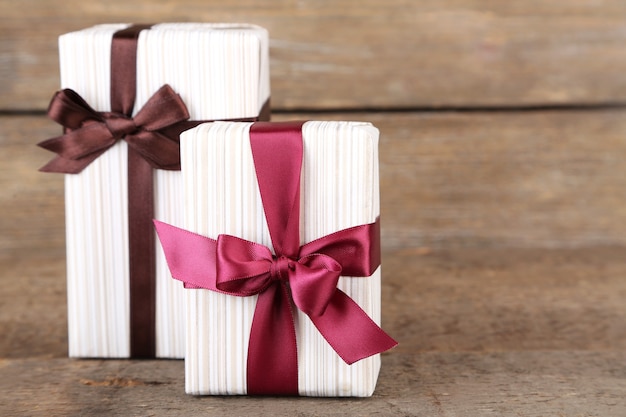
{"x": 128, "y": 92}
{"x": 280, "y": 254}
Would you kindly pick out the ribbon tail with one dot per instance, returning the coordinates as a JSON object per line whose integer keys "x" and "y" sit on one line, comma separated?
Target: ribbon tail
{"x": 272, "y": 367}
{"x": 157, "y": 149}
{"x": 141, "y": 255}
{"x": 69, "y": 166}
{"x": 190, "y": 257}
{"x": 350, "y": 331}
{"x": 77, "y": 149}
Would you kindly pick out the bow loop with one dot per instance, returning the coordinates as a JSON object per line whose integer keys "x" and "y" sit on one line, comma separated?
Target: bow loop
{"x": 314, "y": 282}
{"x": 242, "y": 267}
{"x": 152, "y": 116}
{"x": 70, "y": 110}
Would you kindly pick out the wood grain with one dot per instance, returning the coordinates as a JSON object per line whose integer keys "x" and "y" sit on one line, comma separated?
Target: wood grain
{"x": 511, "y": 179}
{"x": 458, "y": 183}
{"x": 537, "y": 179}
{"x": 367, "y": 54}
{"x": 495, "y": 300}
{"x": 32, "y": 209}
{"x": 529, "y": 384}
{"x": 502, "y": 277}
{"x": 504, "y": 232}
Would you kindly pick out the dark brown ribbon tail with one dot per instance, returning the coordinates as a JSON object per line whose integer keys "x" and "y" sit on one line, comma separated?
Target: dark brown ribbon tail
{"x": 140, "y": 201}
{"x": 141, "y": 256}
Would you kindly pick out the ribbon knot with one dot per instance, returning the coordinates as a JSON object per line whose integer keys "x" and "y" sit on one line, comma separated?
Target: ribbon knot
{"x": 280, "y": 268}
{"x": 120, "y": 125}
{"x": 245, "y": 268}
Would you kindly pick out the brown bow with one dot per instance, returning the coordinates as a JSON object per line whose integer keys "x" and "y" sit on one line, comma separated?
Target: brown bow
{"x": 89, "y": 133}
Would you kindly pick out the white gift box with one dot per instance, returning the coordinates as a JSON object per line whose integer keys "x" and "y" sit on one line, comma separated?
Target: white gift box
{"x": 339, "y": 189}
{"x": 221, "y": 71}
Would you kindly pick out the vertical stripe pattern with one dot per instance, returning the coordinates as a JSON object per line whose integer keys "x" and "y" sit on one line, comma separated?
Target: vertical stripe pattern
{"x": 339, "y": 190}
{"x": 220, "y": 71}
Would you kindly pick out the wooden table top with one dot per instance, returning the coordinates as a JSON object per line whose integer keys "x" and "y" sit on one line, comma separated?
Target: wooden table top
{"x": 503, "y": 203}
{"x": 499, "y": 308}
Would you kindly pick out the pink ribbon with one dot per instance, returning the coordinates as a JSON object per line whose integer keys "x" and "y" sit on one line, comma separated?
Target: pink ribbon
{"x": 306, "y": 274}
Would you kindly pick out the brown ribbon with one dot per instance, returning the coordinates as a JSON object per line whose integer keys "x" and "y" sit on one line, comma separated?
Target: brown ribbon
{"x": 90, "y": 133}
{"x": 152, "y": 137}
{"x": 140, "y": 201}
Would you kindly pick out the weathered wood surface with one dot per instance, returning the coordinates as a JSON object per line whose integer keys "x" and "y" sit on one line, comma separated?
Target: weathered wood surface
{"x": 505, "y": 179}
{"x": 493, "y": 384}
{"x": 365, "y": 54}
{"x": 501, "y": 179}
{"x": 503, "y": 277}
{"x": 532, "y": 179}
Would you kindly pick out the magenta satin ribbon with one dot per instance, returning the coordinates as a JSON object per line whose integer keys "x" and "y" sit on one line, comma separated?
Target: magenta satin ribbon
{"x": 306, "y": 274}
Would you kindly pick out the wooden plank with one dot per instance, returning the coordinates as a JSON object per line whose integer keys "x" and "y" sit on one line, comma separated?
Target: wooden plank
{"x": 529, "y": 384}
{"x": 479, "y": 300}
{"x": 488, "y": 324}
{"x": 340, "y": 54}
{"x": 33, "y": 317}
{"x": 32, "y": 209}
{"x": 491, "y": 299}
{"x": 467, "y": 188}
{"x": 510, "y": 179}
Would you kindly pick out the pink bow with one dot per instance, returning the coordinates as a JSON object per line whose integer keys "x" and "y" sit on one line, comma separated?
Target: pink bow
{"x": 308, "y": 274}
{"x": 245, "y": 268}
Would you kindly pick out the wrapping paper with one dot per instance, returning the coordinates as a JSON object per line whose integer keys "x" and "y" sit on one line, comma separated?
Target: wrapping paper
{"x": 221, "y": 72}
{"x": 339, "y": 189}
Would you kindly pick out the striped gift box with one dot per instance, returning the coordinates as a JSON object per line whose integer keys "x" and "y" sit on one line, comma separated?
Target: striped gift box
{"x": 339, "y": 189}
{"x": 221, "y": 72}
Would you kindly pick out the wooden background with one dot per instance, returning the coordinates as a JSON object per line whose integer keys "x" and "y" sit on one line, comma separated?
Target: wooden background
{"x": 503, "y": 175}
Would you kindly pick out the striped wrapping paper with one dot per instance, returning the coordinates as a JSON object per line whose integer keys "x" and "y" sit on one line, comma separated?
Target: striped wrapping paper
{"x": 339, "y": 189}
{"x": 221, "y": 71}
